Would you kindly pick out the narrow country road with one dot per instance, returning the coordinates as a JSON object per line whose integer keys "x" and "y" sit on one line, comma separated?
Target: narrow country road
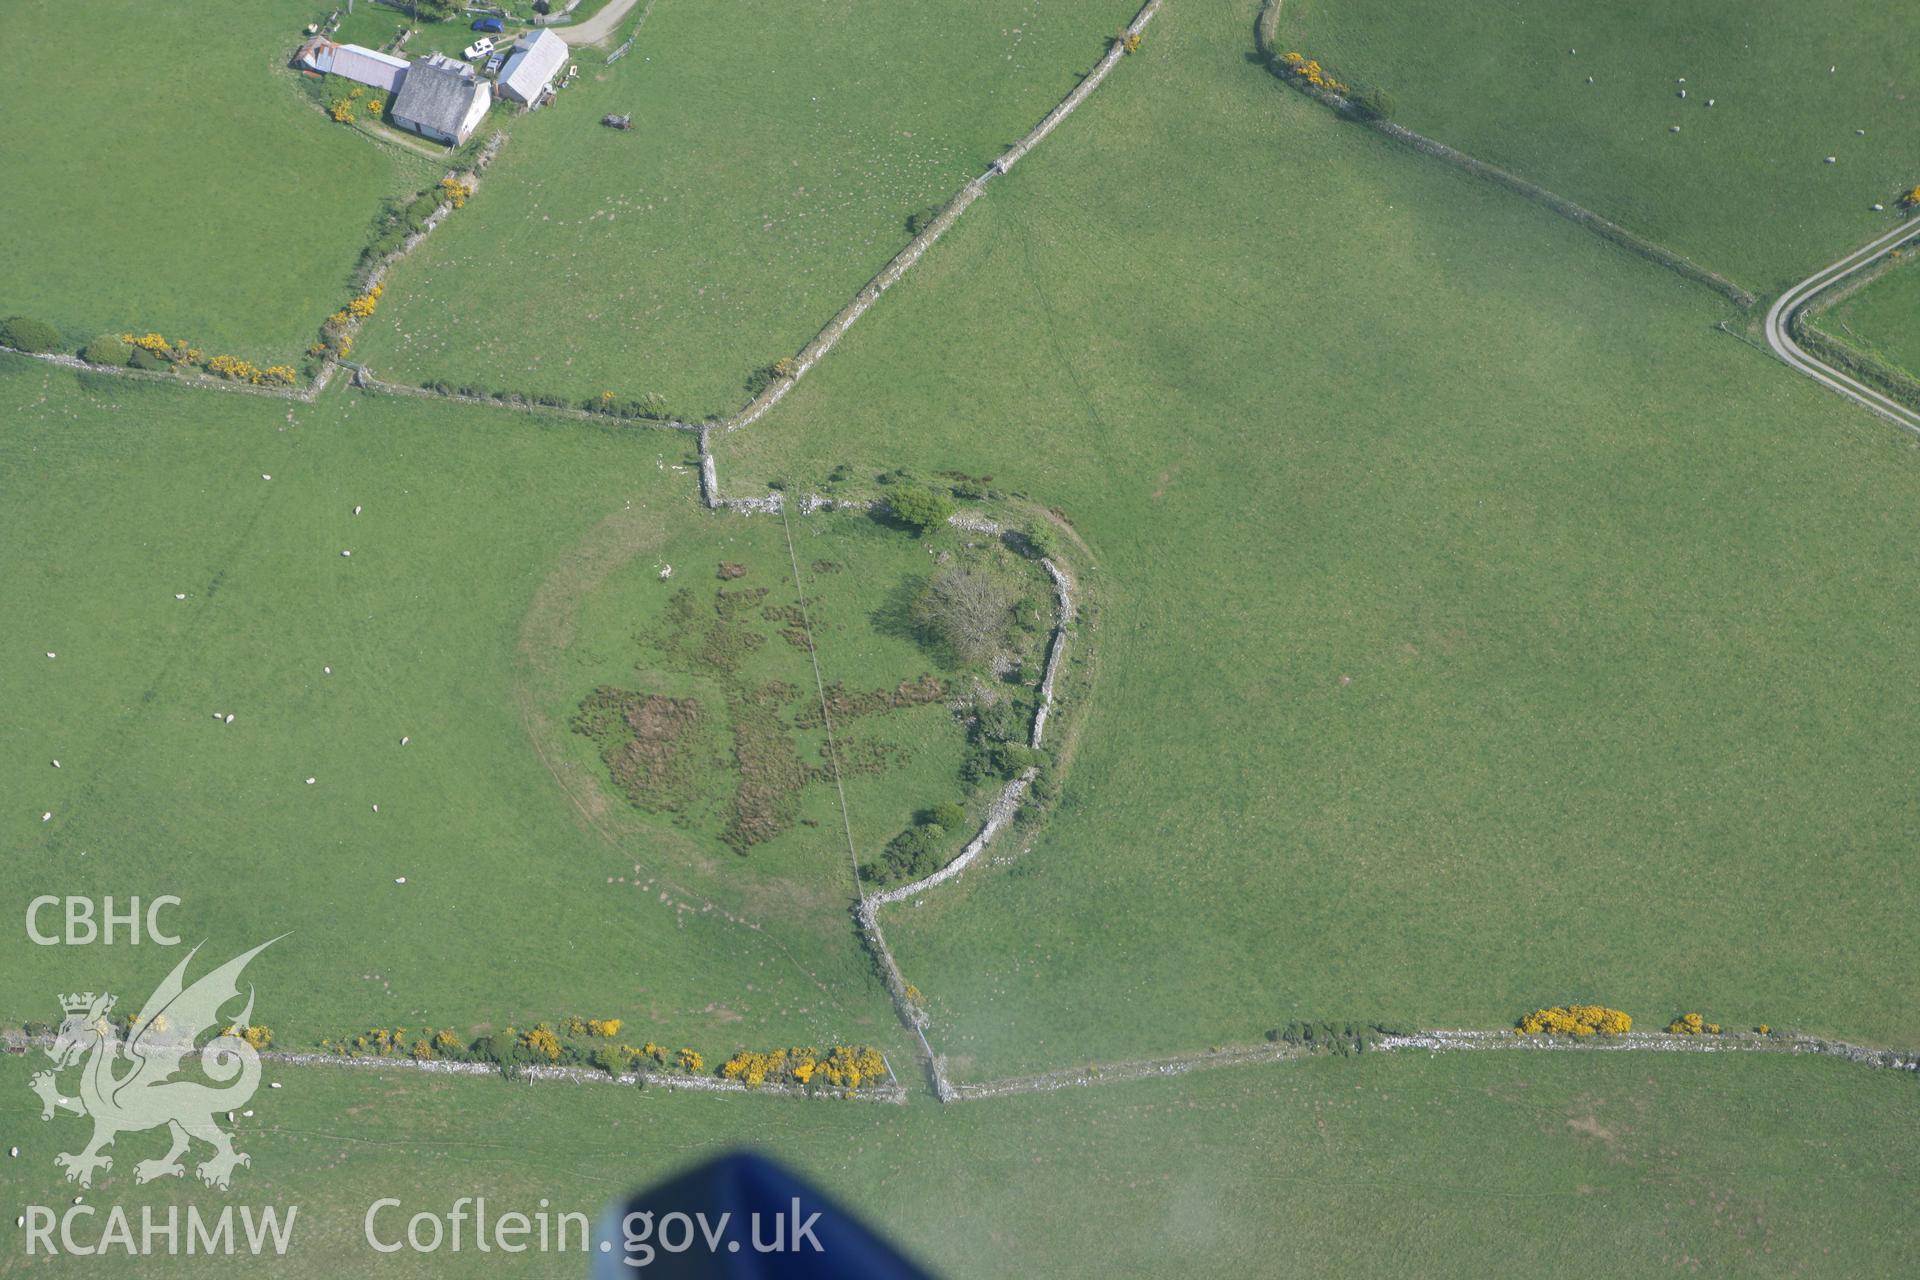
{"x": 1780, "y": 319}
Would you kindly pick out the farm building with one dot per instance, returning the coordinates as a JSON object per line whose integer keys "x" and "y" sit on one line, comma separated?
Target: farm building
{"x": 353, "y": 62}
{"x": 537, "y": 57}
{"x": 442, "y": 100}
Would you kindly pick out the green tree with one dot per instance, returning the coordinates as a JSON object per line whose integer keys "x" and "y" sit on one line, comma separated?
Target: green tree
{"x": 919, "y": 507}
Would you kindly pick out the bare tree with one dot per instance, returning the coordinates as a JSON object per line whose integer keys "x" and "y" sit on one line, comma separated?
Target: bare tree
{"x": 966, "y": 611}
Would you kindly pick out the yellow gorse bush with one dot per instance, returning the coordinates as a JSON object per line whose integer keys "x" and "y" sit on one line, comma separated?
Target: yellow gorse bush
{"x": 844, "y": 1066}
{"x": 1310, "y": 70}
{"x": 456, "y": 190}
{"x": 1692, "y": 1024}
{"x": 257, "y": 1036}
{"x": 1576, "y": 1020}
{"x": 363, "y": 306}
{"x": 542, "y": 1041}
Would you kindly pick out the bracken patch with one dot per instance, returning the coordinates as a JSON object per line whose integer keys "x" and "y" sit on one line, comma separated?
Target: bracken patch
{"x": 645, "y": 740}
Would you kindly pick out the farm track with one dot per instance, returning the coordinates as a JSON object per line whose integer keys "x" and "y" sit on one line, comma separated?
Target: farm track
{"x": 1779, "y": 327}
{"x": 599, "y": 26}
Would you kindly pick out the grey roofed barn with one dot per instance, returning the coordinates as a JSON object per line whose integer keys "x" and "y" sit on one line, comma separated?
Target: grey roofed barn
{"x": 438, "y": 101}
{"x": 536, "y": 58}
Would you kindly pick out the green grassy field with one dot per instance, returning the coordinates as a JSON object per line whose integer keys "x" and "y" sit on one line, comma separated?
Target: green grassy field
{"x": 1883, "y": 318}
{"x": 1481, "y": 628}
{"x": 167, "y": 176}
{"x": 517, "y": 906}
{"x": 1470, "y": 1165}
{"x": 1743, "y": 189}
{"x": 777, "y": 153}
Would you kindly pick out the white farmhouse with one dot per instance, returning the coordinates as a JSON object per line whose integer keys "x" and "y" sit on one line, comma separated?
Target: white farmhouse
{"x": 382, "y": 71}
{"x": 537, "y": 57}
{"x": 442, "y": 100}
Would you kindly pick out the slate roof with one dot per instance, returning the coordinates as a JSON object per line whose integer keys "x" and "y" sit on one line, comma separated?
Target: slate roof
{"x": 436, "y": 97}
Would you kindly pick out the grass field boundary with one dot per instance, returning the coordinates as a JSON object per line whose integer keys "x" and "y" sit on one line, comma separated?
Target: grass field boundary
{"x": 831, "y": 333}
{"x": 1266, "y": 36}
{"x": 1435, "y": 1041}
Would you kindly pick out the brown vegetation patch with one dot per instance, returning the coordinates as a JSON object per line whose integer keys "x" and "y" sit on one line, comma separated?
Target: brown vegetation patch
{"x": 769, "y": 772}
{"x": 645, "y": 739}
{"x": 843, "y": 704}
{"x": 730, "y": 570}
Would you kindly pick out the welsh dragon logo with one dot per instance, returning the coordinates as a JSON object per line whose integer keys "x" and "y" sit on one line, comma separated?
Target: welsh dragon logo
{"x": 127, "y": 1085}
